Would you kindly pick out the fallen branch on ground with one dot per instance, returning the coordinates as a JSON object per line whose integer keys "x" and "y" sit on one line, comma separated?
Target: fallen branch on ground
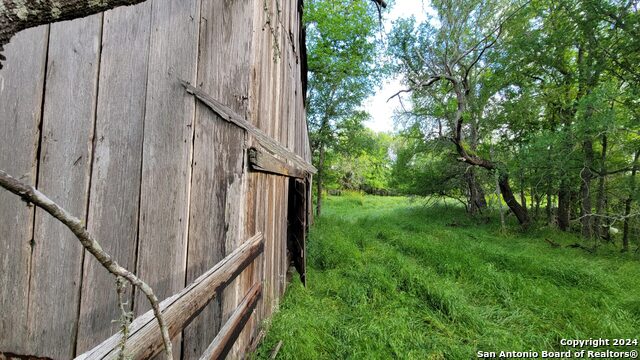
{"x": 552, "y": 243}
{"x": 580, "y": 246}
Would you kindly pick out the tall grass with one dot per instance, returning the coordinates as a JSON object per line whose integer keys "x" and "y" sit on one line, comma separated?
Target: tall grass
{"x": 391, "y": 279}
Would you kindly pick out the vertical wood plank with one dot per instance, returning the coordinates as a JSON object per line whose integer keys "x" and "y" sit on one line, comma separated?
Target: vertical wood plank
{"x": 65, "y": 160}
{"x": 21, "y": 85}
{"x": 216, "y": 185}
{"x": 115, "y": 181}
{"x": 217, "y": 189}
{"x": 282, "y": 238}
{"x": 280, "y": 122}
{"x": 253, "y": 113}
{"x": 166, "y": 155}
{"x": 270, "y": 125}
{"x": 254, "y": 206}
{"x": 145, "y": 137}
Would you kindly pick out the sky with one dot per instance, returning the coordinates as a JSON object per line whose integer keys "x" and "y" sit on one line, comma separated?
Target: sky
{"x": 380, "y": 110}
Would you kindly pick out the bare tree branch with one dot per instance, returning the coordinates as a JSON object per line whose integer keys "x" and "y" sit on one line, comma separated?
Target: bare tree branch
{"x": 32, "y": 195}
{"x": 399, "y": 92}
{"x": 432, "y": 80}
{"x": 498, "y": 28}
{"x": 611, "y": 172}
{"x": 613, "y": 218}
{"x": 481, "y": 53}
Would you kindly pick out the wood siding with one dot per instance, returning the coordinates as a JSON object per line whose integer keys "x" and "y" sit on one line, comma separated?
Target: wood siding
{"x": 93, "y": 113}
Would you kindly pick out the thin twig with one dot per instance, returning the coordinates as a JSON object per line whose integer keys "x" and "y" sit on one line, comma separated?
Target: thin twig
{"x": 31, "y": 195}
{"x": 398, "y": 93}
{"x": 611, "y": 217}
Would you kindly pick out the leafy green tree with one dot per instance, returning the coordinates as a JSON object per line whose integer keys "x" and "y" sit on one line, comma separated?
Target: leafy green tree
{"x": 452, "y": 55}
{"x": 543, "y": 92}
{"x": 359, "y": 159}
{"x": 574, "y": 58}
{"x": 343, "y": 66}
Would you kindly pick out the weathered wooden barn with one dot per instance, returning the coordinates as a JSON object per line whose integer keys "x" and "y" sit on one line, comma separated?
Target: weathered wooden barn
{"x": 176, "y": 130}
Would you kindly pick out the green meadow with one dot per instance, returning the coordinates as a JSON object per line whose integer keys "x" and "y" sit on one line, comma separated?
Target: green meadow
{"x": 391, "y": 278}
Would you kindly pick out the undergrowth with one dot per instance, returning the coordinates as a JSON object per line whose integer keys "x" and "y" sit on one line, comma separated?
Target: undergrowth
{"x": 388, "y": 278}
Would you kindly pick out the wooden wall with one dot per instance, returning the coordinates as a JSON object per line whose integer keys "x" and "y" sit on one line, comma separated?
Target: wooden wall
{"x": 92, "y": 113}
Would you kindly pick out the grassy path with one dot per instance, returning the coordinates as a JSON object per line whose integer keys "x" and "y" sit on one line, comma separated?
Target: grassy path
{"x": 389, "y": 279}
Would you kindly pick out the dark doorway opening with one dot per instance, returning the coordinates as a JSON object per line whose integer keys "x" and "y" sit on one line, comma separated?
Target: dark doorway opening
{"x": 297, "y": 220}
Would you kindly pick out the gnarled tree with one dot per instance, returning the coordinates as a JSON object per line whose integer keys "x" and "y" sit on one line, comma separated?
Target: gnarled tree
{"x": 449, "y": 52}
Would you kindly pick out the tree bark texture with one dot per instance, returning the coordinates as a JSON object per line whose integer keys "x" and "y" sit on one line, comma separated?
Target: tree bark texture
{"x": 477, "y": 200}
{"x": 508, "y": 196}
{"x": 462, "y": 91}
{"x": 507, "y": 193}
{"x": 17, "y": 15}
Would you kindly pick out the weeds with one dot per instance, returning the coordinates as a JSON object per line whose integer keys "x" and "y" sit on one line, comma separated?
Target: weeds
{"x": 391, "y": 279}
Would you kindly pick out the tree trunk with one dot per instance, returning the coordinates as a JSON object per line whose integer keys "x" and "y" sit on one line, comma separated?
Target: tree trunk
{"x": 17, "y": 15}
{"x": 532, "y": 206}
{"x": 499, "y": 201}
{"x": 564, "y": 205}
{"x": 523, "y": 195}
{"x": 507, "y": 194}
{"x": 523, "y": 198}
{"x": 627, "y": 203}
{"x": 462, "y": 91}
{"x": 320, "y": 176}
{"x": 549, "y": 210}
{"x": 575, "y": 205}
{"x": 585, "y": 190}
{"x": 601, "y": 198}
{"x": 625, "y": 228}
{"x": 476, "y": 199}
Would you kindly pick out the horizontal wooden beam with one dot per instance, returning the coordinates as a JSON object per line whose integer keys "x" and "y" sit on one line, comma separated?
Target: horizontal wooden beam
{"x": 145, "y": 339}
{"x": 265, "y": 140}
{"x": 229, "y": 333}
{"x": 264, "y": 162}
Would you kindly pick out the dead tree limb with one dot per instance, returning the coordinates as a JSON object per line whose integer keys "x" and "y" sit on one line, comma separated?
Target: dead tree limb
{"x": 552, "y": 243}
{"x": 31, "y": 195}
{"x": 17, "y": 15}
